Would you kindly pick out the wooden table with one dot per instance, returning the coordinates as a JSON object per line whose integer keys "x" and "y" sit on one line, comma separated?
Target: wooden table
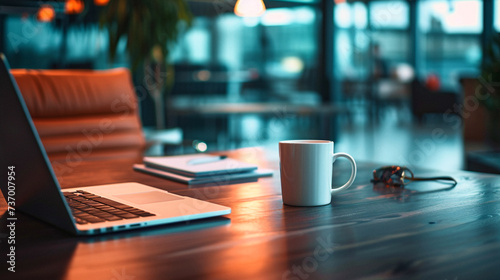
{"x": 369, "y": 233}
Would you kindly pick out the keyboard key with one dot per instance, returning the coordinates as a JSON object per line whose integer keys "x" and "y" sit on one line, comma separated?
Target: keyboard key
{"x": 142, "y": 213}
{"x": 94, "y": 220}
{"x": 146, "y": 214}
{"x": 117, "y": 211}
{"x": 114, "y": 218}
{"x": 80, "y": 221}
{"x": 90, "y": 196}
{"x": 81, "y": 191}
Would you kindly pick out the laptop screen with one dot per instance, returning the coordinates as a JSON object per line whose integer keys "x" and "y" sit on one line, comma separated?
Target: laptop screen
{"x": 34, "y": 188}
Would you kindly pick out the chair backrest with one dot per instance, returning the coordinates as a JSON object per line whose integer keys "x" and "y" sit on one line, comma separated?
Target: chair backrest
{"x": 82, "y": 111}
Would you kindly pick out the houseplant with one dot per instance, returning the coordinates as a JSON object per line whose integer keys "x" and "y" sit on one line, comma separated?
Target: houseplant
{"x": 150, "y": 27}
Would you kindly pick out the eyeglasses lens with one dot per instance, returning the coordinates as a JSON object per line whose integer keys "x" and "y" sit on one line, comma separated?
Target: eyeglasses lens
{"x": 391, "y": 175}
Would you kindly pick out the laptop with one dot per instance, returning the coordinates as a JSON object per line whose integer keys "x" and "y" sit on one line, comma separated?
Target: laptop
{"x": 29, "y": 184}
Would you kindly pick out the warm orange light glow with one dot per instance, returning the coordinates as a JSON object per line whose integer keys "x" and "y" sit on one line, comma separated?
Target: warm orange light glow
{"x": 101, "y": 2}
{"x": 74, "y": 6}
{"x": 249, "y": 8}
{"x": 46, "y": 13}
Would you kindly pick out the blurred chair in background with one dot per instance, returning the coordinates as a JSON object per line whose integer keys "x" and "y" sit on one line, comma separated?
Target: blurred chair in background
{"x": 82, "y": 111}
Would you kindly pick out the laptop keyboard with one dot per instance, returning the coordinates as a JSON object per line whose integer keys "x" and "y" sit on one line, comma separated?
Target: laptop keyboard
{"x": 90, "y": 208}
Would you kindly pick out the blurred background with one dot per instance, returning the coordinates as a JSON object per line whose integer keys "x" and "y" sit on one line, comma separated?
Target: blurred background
{"x": 394, "y": 82}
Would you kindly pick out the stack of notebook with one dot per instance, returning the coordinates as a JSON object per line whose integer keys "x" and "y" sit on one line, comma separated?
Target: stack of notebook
{"x": 201, "y": 169}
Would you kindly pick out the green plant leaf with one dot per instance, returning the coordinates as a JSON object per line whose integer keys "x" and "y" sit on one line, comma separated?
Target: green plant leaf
{"x": 145, "y": 24}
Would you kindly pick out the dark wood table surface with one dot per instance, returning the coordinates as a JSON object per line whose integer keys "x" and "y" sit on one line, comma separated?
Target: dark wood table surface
{"x": 420, "y": 232}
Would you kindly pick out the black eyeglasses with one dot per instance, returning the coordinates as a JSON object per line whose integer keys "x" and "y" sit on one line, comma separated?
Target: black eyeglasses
{"x": 400, "y": 176}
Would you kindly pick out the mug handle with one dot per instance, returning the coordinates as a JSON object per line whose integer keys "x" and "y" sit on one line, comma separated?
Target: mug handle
{"x": 353, "y": 171}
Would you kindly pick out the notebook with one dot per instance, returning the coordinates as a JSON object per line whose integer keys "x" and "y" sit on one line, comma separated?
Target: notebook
{"x": 198, "y": 165}
{"x": 218, "y": 179}
{"x": 30, "y": 185}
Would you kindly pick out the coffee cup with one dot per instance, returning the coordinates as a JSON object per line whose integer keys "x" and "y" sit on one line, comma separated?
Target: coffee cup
{"x": 306, "y": 170}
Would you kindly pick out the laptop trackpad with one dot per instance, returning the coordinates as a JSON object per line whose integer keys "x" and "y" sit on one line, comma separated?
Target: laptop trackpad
{"x": 148, "y": 197}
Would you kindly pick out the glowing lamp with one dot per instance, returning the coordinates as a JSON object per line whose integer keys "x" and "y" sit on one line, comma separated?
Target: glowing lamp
{"x": 101, "y": 2}
{"x": 46, "y": 13}
{"x": 74, "y": 7}
{"x": 249, "y": 8}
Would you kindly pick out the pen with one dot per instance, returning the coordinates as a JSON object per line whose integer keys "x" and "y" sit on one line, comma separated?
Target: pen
{"x": 207, "y": 159}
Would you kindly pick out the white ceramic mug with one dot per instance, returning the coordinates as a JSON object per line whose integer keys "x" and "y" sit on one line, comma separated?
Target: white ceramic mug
{"x": 306, "y": 168}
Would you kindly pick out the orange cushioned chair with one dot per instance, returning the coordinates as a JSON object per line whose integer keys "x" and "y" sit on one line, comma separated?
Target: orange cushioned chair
{"x": 82, "y": 110}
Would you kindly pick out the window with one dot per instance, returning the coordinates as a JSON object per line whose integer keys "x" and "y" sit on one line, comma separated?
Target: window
{"x": 388, "y": 28}
{"x": 291, "y": 39}
{"x": 455, "y": 16}
{"x": 449, "y": 39}
{"x": 390, "y": 25}
{"x": 24, "y": 34}
{"x": 193, "y": 46}
{"x": 352, "y": 41}
{"x": 276, "y": 53}
{"x": 496, "y": 15}
{"x": 389, "y": 14}
{"x": 280, "y": 48}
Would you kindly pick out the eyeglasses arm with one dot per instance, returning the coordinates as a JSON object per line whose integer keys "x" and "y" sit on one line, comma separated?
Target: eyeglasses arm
{"x": 441, "y": 178}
